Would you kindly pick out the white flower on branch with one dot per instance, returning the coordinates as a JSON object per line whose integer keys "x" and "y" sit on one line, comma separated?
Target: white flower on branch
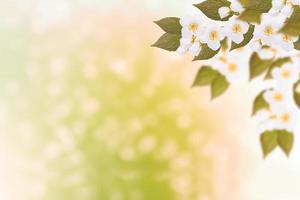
{"x": 213, "y": 36}
{"x": 235, "y": 30}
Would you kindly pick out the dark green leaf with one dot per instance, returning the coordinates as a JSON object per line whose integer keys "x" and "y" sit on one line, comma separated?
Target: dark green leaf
{"x": 259, "y": 103}
{"x": 296, "y": 94}
{"x": 285, "y": 141}
{"x": 205, "y": 76}
{"x": 219, "y": 86}
{"x": 211, "y": 8}
{"x": 247, "y": 38}
{"x": 170, "y": 25}
{"x": 277, "y": 63}
{"x": 258, "y": 66}
{"x": 297, "y": 44}
{"x": 206, "y": 53}
{"x": 268, "y": 141}
{"x": 254, "y": 9}
{"x": 168, "y": 41}
{"x": 292, "y": 24}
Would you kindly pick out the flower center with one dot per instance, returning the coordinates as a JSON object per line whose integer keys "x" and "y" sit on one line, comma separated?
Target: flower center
{"x": 223, "y": 59}
{"x": 214, "y": 35}
{"x": 286, "y": 38}
{"x": 285, "y": 73}
{"x": 232, "y": 67}
{"x": 268, "y": 31}
{"x": 237, "y": 28}
{"x": 285, "y": 118}
{"x": 193, "y": 27}
{"x": 278, "y": 97}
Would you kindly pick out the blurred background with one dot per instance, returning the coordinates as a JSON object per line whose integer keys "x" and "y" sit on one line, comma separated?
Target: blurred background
{"x": 89, "y": 111}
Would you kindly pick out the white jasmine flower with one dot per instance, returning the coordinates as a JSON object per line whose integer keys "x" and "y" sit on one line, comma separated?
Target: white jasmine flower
{"x": 268, "y": 121}
{"x": 231, "y": 67}
{"x": 286, "y": 41}
{"x": 191, "y": 25}
{"x": 286, "y": 75}
{"x": 267, "y": 30}
{"x": 235, "y": 7}
{"x": 278, "y": 97}
{"x": 286, "y": 119}
{"x": 213, "y": 37}
{"x": 189, "y": 44}
{"x": 235, "y": 30}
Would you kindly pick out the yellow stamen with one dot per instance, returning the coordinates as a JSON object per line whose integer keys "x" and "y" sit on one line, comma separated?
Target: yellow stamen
{"x": 232, "y": 67}
{"x": 278, "y": 97}
{"x": 285, "y": 73}
{"x": 269, "y": 30}
{"x": 223, "y": 59}
{"x": 237, "y": 28}
{"x": 214, "y": 35}
{"x": 193, "y": 27}
{"x": 285, "y": 118}
{"x": 286, "y": 38}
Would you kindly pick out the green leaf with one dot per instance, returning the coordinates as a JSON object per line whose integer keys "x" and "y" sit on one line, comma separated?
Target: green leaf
{"x": 285, "y": 141}
{"x": 297, "y": 44}
{"x": 206, "y": 53}
{"x": 219, "y": 86}
{"x": 247, "y": 38}
{"x": 292, "y": 24}
{"x": 296, "y": 94}
{"x": 205, "y": 76}
{"x": 211, "y": 8}
{"x": 254, "y": 9}
{"x": 269, "y": 142}
{"x": 168, "y": 41}
{"x": 170, "y": 25}
{"x": 259, "y": 103}
{"x": 258, "y": 66}
{"x": 277, "y": 63}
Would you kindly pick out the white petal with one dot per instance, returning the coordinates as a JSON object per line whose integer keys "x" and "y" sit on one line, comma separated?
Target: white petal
{"x": 181, "y": 50}
{"x": 214, "y": 45}
{"x": 237, "y": 38}
{"x": 236, "y": 6}
{"x": 195, "y": 49}
{"x": 224, "y": 12}
{"x": 245, "y": 27}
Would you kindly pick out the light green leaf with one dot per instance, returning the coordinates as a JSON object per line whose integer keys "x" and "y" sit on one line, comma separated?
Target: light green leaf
{"x": 259, "y": 103}
{"x": 285, "y": 141}
{"x": 254, "y": 9}
{"x": 168, "y": 41}
{"x": 247, "y": 38}
{"x": 206, "y": 53}
{"x": 296, "y": 94}
{"x": 170, "y": 25}
{"x": 269, "y": 142}
{"x": 292, "y": 24}
{"x": 211, "y": 8}
{"x": 258, "y": 66}
{"x": 277, "y": 63}
{"x": 219, "y": 86}
{"x": 205, "y": 76}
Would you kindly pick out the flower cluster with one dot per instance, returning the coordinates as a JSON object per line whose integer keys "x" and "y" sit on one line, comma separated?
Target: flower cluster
{"x": 271, "y": 29}
{"x": 281, "y": 113}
